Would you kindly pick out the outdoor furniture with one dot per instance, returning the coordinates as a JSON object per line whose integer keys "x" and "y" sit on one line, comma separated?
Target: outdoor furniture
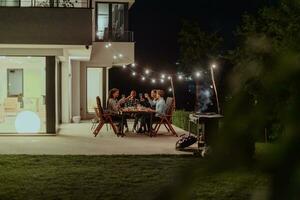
{"x": 103, "y": 118}
{"x": 166, "y": 120}
{"x": 11, "y": 106}
{"x": 140, "y": 110}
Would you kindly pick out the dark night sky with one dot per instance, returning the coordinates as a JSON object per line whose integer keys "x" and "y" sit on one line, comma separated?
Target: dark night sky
{"x": 156, "y": 24}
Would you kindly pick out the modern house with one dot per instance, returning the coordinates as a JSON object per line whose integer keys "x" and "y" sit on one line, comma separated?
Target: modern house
{"x": 55, "y": 56}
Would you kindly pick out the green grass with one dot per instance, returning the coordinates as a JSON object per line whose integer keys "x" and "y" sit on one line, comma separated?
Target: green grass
{"x": 120, "y": 177}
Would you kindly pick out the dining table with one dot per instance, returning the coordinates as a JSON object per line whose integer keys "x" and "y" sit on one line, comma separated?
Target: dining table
{"x": 138, "y": 110}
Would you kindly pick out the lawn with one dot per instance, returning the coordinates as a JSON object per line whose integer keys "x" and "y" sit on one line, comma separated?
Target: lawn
{"x": 120, "y": 177}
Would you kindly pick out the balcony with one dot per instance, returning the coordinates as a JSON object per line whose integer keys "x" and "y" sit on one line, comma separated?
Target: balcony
{"x": 59, "y": 26}
{"x": 46, "y": 3}
{"x": 115, "y": 36}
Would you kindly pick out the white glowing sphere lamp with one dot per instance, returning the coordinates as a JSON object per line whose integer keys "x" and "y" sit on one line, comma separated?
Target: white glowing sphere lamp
{"x": 27, "y": 122}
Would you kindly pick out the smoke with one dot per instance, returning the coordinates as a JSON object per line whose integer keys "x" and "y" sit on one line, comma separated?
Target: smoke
{"x": 205, "y": 99}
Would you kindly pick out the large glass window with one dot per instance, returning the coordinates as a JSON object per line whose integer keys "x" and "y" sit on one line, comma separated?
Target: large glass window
{"x": 111, "y": 22}
{"x": 94, "y": 87}
{"x": 102, "y": 31}
{"x": 22, "y": 95}
{"x": 118, "y": 21}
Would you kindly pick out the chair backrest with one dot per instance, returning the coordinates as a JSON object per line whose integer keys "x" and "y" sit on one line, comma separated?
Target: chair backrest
{"x": 170, "y": 104}
{"x": 99, "y": 108}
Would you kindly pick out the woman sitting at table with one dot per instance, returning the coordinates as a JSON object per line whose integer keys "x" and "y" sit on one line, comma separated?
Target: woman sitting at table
{"x": 114, "y": 105}
{"x": 152, "y": 99}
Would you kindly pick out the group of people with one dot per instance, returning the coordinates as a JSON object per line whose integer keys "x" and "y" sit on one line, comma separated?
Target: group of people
{"x": 154, "y": 101}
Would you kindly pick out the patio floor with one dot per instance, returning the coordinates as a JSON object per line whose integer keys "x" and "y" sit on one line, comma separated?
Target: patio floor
{"x": 77, "y": 139}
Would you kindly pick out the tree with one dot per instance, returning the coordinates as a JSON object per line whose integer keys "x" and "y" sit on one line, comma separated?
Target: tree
{"x": 197, "y": 50}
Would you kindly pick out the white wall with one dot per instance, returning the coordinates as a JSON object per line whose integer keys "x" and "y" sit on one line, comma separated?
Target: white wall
{"x": 75, "y": 66}
{"x": 66, "y": 100}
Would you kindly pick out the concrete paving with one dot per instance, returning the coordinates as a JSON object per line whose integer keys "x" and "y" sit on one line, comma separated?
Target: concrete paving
{"x": 77, "y": 139}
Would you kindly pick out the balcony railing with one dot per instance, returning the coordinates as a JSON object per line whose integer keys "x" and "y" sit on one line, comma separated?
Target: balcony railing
{"x": 115, "y": 36}
{"x": 45, "y": 3}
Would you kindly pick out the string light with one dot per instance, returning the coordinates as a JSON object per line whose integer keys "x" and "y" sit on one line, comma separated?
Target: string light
{"x": 211, "y": 86}
{"x": 198, "y": 74}
{"x": 147, "y": 71}
{"x": 214, "y": 66}
{"x": 170, "y": 89}
{"x": 133, "y": 73}
{"x": 180, "y": 77}
{"x": 153, "y": 81}
{"x": 121, "y": 55}
{"x": 143, "y": 78}
{"x": 169, "y": 77}
{"x": 133, "y": 65}
{"x": 124, "y": 66}
{"x": 163, "y": 76}
{"x": 162, "y": 80}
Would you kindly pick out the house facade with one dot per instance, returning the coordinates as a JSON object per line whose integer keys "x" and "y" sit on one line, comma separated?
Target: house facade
{"x": 55, "y": 56}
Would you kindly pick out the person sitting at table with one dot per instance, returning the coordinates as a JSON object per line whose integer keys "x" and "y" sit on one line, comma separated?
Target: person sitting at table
{"x": 160, "y": 108}
{"x": 132, "y": 100}
{"x": 152, "y": 99}
{"x": 140, "y": 117}
{"x": 114, "y": 105}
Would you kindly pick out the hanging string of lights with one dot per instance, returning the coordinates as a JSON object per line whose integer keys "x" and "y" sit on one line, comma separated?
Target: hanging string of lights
{"x": 154, "y": 77}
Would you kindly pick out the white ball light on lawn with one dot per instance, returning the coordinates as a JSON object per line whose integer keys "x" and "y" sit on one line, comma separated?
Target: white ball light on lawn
{"x": 27, "y": 122}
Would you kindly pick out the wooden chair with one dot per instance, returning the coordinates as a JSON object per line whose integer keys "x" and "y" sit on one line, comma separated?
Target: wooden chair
{"x": 166, "y": 120}
{"x": 104, "y": 118}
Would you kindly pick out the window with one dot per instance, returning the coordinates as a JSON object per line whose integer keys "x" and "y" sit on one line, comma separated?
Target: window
{"x": 118, "y": 21}
{"x": 102, "y": 21}
{"x": 111, "y": 21}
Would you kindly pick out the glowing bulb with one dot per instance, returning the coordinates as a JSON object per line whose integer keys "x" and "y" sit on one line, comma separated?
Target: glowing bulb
{"x": 124, "y": 66}
{"x": 169, "y": 77}
{"x": 133, "y": 73}
{"x": 198, "y": 74}
{"x": 211, "y": 86}
{"x": 180, "y": 77}
{"x": 162, "y": 80}
{"x": 133, "y": 65}
{"x": 147, "y": 71}
{"x": 170, "y": 89}
{"x": 27, "y": 122}
{"x": 163, "y": 76}
{"x": 109, "y": 44}
{"x": 153, "y": 81}
{"x": 214, "y": 66}
{"x": 121, "y": 55}
{"x": 143, "y": 78}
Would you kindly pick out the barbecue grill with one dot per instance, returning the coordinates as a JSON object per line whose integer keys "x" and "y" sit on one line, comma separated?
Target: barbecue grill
{"x": 207, "y": 125}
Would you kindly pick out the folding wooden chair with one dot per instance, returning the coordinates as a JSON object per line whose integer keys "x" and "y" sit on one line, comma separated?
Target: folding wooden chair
{"x": 103, "y": 118}
{"x": 166, "y": 120}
